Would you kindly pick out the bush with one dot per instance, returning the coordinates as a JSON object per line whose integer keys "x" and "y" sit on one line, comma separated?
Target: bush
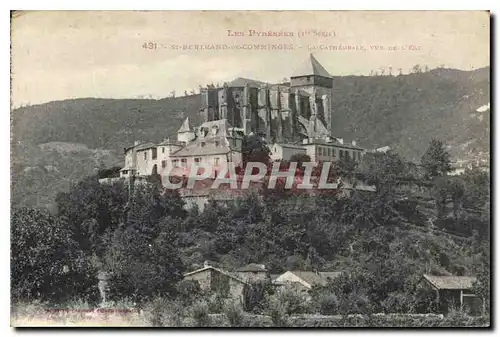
{"x": 200, "y": 311}
{"x": 277, "y": 310}
{"x": 234, "y": 314}
{"x": 256, "y": 294}
{"x": 155, "y": 311}
{"x": 329, "y": 305}
{"x": 187, "y": 290}
{"x": 216, "y": 303}
{"x": 165, "y": 312}
{"x": 295, "y": 302}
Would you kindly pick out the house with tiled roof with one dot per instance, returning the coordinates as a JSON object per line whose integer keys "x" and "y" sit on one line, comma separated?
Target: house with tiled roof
{"x": 216, "y": 280}
{"x": 453, "y": 292}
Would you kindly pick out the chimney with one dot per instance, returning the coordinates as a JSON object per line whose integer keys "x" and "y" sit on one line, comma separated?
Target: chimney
{"x": 137, "y": 142}
{"x": 354, "y": 143}
{"x": 206, "y": 264}
{"x": 341, "y": 140}
{"x": 305, "y": 141}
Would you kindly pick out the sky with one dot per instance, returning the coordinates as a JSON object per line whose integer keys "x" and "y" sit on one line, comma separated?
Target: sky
{"x": 57, "y": 55}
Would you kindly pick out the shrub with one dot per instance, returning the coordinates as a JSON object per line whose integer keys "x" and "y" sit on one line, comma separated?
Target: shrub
{"x": 355, "y": 303}
{"x": 187, "y": 290}
{"x": 329, "y": 304}
{"x": 155, "y": 311}
{"x": 295, "y": 302}
{"x": 199, "y": 311}
{"x": 397, "y": 302}
{"x": 234, "y": 314}
{"x": 277, "y": 310}
{"x": 175, "y": 314}
{"x": 165, "y": 312}
{"x": 256, "y": 294}
{"x": 216, "y": 303}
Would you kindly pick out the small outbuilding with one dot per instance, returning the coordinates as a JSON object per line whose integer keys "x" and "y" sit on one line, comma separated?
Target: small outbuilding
{"x": 454, "y": 292}
{"x": 212, "y": 279}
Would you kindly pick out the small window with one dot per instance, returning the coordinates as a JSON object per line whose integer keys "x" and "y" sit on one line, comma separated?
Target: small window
{"x": 163, "y": 163}
{"x": 216, "y": 161}
{"x": 203, "y": 144}
{"x": 154, "y": 153}
{"x": 145, "y": 155}
{"x": 333, "y": 152}
{"x": 163, "y": 150}
{"x": 184, "y": 162}
{"x": 197, "y": 160}
{"x": 175, "y": 162}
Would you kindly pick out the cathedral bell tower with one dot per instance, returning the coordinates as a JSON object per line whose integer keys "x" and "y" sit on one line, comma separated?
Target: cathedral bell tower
{"x": 313, "y": 78}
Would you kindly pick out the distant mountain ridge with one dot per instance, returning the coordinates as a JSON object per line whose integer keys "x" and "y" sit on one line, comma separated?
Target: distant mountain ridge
{"x": 404, "y": 112}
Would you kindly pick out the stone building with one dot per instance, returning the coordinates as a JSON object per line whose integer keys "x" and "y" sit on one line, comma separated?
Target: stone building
{"x": 284, "y": 112}
{"x": 216, "y": 280}
{"x": 215, "y": 143}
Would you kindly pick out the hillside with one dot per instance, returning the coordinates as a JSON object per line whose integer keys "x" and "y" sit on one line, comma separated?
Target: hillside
{"x": 404, "y": 112}
{"x": 102, "y": 123}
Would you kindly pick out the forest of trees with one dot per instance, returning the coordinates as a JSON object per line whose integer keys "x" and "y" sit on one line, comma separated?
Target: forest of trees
{"x": 145, "y": 239}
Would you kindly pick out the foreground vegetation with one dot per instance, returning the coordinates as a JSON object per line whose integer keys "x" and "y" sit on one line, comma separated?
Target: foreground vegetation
{"x": 161, "y": 313}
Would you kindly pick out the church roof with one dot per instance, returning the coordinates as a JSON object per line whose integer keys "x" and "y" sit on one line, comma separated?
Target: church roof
{"x": 241, "y": 82}
{"x": 185, "y": 127}
{"x": 311, "y": 67}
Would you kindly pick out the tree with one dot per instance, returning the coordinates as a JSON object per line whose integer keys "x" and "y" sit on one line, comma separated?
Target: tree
{"x": 92, "y": 208}
{"x": 416, "y": 69}
{"x": 144, "y": 263}
{"x": 436, "y": 160}
{"x": 300, "y": 158}
{"x": 46, "y": 263}
{"x": 482, "y": 286}
{"x": 382, "y": 170}
{"x": 255, "y": 149}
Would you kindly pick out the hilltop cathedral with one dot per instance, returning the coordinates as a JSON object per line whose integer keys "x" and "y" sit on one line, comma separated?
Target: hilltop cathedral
{"x": 294, "y": 117}
{"x": 285, "y": 112}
